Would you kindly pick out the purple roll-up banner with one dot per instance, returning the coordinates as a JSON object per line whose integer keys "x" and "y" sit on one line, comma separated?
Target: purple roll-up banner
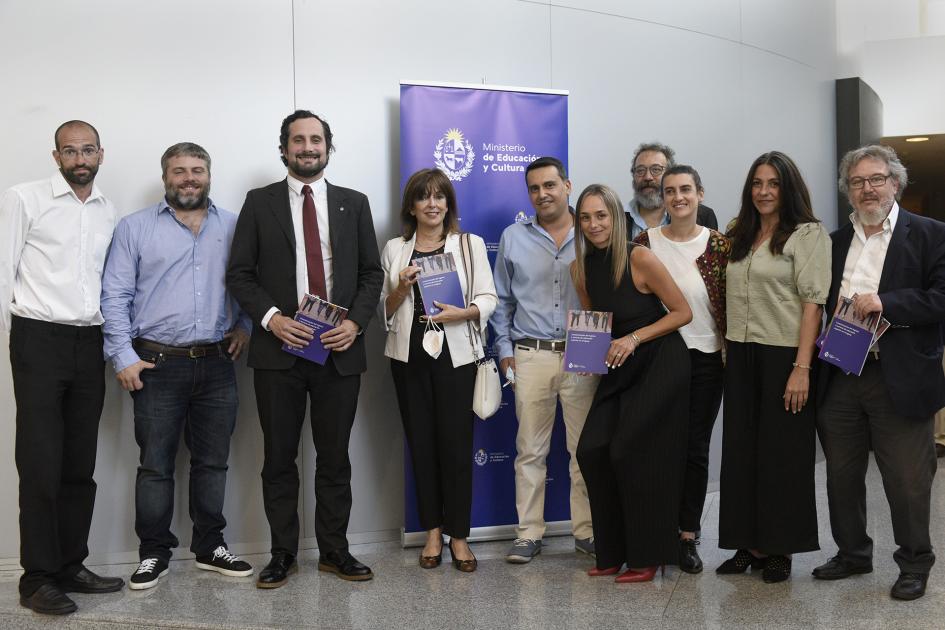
{"x": 482, "y": 137}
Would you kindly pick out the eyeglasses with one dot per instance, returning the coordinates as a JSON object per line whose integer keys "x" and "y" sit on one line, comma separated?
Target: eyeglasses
{"x": 86, "y": 152}
{"x": 656, "y": 170}
{"x": 875, "y": 181}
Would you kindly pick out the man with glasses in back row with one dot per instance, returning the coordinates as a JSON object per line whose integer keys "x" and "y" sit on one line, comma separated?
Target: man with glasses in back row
{"x": 53, "y": 237}
{"x": 645, "y": 210}
{"x": 892, "y": 262}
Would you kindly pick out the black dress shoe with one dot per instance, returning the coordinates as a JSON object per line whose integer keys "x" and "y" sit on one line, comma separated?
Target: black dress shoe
{"x": 909, "y": 586}
{"x": 837, "y": 568}
{"x": 344, "y": 565}
{"x": 49, "y": 600}
{"x": 277, "y": 572}
{"x": 87, "y": 582}
{"x": 689, "y": 560}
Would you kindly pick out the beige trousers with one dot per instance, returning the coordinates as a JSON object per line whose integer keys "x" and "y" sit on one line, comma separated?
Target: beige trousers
{"x": 540, "y": 381}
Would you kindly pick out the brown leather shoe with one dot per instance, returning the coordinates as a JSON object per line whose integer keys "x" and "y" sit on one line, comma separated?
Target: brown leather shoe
{"x": 466, "y": 566}
{"x": 432, "y": 562}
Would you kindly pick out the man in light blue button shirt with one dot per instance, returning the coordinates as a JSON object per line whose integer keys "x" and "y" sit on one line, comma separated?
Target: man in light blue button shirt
{"x": 172, "y": 332}
{"x": 533, "y": 283}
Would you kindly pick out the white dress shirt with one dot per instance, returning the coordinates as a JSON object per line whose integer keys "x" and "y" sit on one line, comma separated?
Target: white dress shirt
{"x": 866, "y": 257}
{"x": 52, "y": 250}
{"x": 296, "y": 199}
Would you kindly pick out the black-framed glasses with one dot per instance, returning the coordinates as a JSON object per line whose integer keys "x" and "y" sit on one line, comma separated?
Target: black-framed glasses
{"x": 656, "y": 170}
{"x": 875, "y": 181}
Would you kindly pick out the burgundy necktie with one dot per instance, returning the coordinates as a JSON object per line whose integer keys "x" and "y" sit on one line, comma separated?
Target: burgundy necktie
{"x": 313, "y": 246}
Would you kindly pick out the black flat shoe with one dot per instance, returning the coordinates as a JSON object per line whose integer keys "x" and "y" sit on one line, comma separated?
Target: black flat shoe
{"x": 344, "y": 565}
{"x": 740, "y": 562}
{"x": 49, "y": 600}
{"x": 277, "y": 572}
{"x": 87, "y": 582}
{"x": 777, "y": 569}
{"x": 837, "y": 569}
{"x": 689, "y": 560}
{"x": 466, "y": 566}
{"x": 909, "y": 586}
{"x": 432, "y": 562}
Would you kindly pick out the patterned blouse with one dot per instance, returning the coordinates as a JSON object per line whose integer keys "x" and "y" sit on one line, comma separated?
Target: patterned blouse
{"x": 711, "y": 266}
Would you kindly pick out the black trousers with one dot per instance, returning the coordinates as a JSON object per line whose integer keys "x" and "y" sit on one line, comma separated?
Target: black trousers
{"x": 280, "y": 399}
{"x": 857, "y": 412}
{"x": 767, "y": 499}
{"x": 435, "y": 402}
{"x": 705, "y": 398}
{"x": 59, "y": 386}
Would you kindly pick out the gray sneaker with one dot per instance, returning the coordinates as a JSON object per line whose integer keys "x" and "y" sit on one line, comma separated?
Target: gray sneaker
{"x": 523, "y": 550}
{"x": 585, "y": 545}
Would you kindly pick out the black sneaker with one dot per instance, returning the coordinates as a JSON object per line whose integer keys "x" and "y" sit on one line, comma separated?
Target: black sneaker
{"x": 149, "y": 572}
{"x": 222, "y": 561}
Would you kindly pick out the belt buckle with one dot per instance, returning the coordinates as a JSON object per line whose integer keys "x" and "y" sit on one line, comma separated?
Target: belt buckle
{"x": 195, "y": 352}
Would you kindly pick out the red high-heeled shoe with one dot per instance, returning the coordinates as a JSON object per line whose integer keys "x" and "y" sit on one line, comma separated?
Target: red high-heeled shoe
{"x": 644, "y": 575}
{"x": 595, "y": 572}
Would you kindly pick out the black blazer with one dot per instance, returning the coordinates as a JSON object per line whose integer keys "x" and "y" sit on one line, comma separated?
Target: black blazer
{"x": 261, "y": 269}
{"x": 912, "y": 290}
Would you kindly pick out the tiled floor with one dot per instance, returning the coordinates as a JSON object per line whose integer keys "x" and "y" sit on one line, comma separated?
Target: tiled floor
{"x": 551, "y": 592}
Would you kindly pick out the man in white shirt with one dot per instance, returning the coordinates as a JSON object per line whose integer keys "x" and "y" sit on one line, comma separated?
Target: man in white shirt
{"x": 54, "y": 234}
{"x": 890, "y": 262}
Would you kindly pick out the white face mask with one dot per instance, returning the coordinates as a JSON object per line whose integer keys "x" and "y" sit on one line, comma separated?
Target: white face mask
{"x": 433, "y": 339}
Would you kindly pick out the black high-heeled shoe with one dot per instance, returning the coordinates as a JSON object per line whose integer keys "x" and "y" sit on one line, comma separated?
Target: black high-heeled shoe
{"x": 777, "y": 569}
{"x": 432, "y": 562}
{"x": 740, "y": 562}
{"x": 466, "y": 566}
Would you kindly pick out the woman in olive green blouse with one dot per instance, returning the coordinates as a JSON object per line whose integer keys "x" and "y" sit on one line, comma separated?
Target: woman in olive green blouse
{"x": 777, "y": 281}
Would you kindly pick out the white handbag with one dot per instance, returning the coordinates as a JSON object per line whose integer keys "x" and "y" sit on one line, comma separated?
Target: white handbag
{"x": 487, "y": 393}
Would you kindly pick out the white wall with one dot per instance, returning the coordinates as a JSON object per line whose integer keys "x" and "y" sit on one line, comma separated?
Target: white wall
{"x": 899, "y": 50}
{"x": 720, "y": 81}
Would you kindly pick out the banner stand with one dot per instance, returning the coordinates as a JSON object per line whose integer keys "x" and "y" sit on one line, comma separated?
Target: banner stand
{"x": 482, "y": 137}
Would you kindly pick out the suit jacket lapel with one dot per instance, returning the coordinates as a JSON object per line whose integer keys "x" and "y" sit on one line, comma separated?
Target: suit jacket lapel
{"x": 898, "y": 242}
{"x": 280, "y": 208}
{"x": 336, "y": 211}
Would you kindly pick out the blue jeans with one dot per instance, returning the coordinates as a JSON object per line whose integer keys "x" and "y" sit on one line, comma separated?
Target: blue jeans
{"x": 198, "y": 396}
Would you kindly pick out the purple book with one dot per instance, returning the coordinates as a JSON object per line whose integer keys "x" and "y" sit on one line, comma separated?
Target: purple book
{"x": 439, "y": 282}
{"x": 321, "y": 316}
{"x": 588, "y": 340}
{"x": 848, "y": 338}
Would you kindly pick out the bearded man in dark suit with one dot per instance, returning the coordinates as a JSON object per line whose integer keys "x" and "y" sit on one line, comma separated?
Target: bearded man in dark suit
{"x": 888, "y": 261}
{"x": 304, "y": 235}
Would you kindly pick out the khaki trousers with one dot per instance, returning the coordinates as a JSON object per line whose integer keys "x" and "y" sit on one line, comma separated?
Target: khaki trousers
{"x": 540, "y": 381}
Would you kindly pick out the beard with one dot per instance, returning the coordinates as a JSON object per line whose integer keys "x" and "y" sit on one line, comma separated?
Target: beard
{"x": 190, "y": 200}
{"x": 306, "y": 172}
{"x": 80, "y": 179}
{"x": 875, "y": 217}
{"x": 647, "y": 198}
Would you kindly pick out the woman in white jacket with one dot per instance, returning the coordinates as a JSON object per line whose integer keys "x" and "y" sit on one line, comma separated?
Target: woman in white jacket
{"x": 435, "y": 389}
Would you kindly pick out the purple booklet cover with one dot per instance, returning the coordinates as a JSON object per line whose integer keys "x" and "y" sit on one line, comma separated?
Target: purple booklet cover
{"x": 439, "y": 282}
{"x": 588, "y": 340}
{"x": 848, "y": 339}
{"x": 321, "y": 316}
